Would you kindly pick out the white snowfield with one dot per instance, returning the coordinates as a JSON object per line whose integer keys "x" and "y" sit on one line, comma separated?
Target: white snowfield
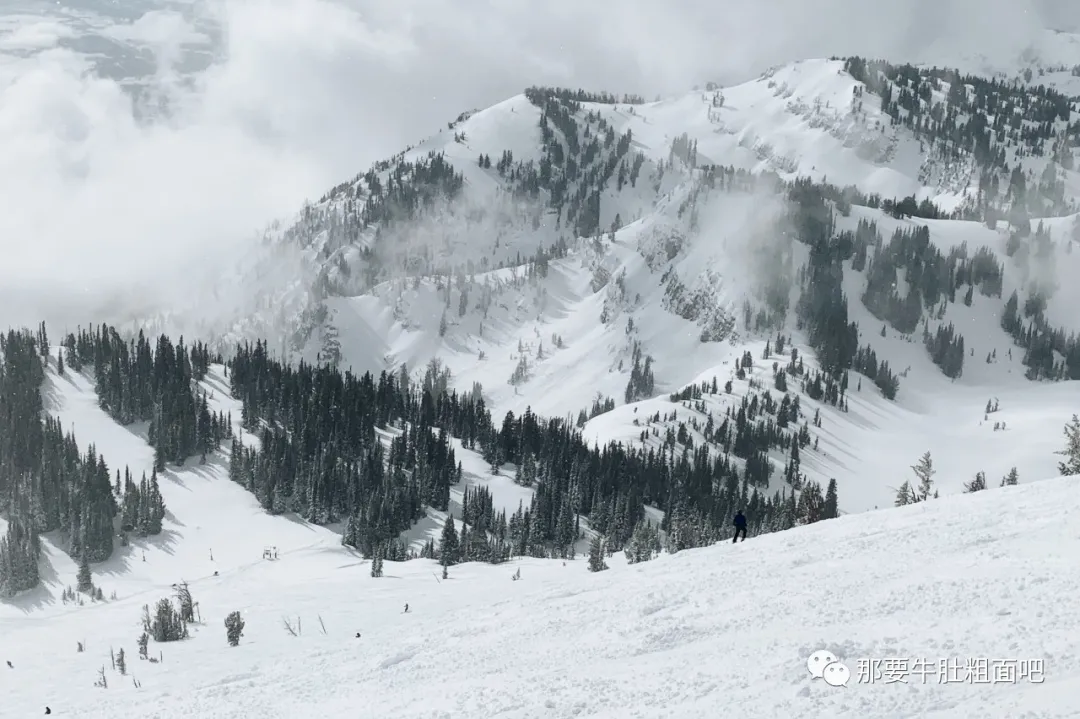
{"x": 724, "y": 631}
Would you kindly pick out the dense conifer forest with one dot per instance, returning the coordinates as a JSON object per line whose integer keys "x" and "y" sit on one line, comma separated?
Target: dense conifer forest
{"x": 375, "y": 452}
{"x": 136, "y": 383}
{"x": 48, "y": 485}
{"x": 372, "y": 452}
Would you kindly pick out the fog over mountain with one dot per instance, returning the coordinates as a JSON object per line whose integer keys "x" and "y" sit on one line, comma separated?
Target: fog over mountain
{"x": 139, "y": 137}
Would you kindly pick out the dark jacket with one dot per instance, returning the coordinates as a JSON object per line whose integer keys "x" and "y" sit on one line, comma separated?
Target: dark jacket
{"x": 740, "y": 521}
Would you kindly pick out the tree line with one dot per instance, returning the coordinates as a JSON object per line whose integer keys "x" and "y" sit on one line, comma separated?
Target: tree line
{"x": 48, "y": 485}
{"x": 376, "y": 452}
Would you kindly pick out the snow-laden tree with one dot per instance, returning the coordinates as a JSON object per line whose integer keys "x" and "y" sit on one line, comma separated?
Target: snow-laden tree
{"x": 924, "y": 471}
{"x": 1072, "y": 448}
{"x": 84, "y": 579}
{"x": 1010, "y": 479}
{"x": 977, "y": 484}
{"x": 596, "y": 555}
{"x": 234, "y": 628}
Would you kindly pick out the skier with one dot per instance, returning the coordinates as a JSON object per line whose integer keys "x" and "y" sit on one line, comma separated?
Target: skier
{"x": 740, "y": 527}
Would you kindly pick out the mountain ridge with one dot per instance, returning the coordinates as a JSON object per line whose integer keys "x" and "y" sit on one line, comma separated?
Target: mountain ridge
{"x": 562, "y": 250}
{"x": 339, "y": 240}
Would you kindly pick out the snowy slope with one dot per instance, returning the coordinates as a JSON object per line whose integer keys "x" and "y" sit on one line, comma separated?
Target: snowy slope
{"x": 797, "y": 121}
{"x": 694, "y": 634}
{"x": 932, "y": 412}
{"x": 801, "y": 119}
{"x": 212, "y": 524}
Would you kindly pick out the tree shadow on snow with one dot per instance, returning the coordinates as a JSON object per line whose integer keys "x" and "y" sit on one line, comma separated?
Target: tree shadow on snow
{"x": 362, "y": 563}
{"x": 298, "y": 520}
{"x": 172, "y": 518}
{"x": 50, "y": 394}
{"x": 40, "y": 596}
{"x": 217, "y": 385}
{"x": 123, "y": 556}
{"x": 212, "y": 470}
{"x": 174, "y": 479}
{"x": 337, "y": 528}
{"x": 34, "y": 599}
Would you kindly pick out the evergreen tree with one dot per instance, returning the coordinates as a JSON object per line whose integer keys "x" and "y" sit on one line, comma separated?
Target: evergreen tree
{"x": 84, "y": 579}
{"x": 449, "y": 549}
{"x": 186, "y": 604}
{"x": 19, "y": 552}
{"x": 905, "y": 495}
{"x": 167, "y": 624}
{"x": 1071, "y": 465}
{"x": 644, "y": 543}
{"x": 234, "y": 628}
{"x": 596, "y": 555}
{"x": 1010, "y": 479}
{"x": 831, "y": 510}
{"x": 377, "y": 563}
{"x": 924, "y": 472}
{"x": 977, "y": 484}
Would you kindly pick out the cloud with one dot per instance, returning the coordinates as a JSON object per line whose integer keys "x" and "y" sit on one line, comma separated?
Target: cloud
{"x": 23, "y": 33}
{"x": 109, "y": 201}
{"x": 158, "y": 28}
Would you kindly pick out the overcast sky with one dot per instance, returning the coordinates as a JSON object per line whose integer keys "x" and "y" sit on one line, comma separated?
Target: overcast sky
{"x": 305, "y": 93}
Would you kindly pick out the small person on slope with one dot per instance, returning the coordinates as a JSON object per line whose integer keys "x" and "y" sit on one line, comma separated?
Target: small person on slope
{"x": 740, "y": 526}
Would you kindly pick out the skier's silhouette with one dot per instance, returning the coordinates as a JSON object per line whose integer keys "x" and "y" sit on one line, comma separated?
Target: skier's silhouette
{"x": 740, "y": 526}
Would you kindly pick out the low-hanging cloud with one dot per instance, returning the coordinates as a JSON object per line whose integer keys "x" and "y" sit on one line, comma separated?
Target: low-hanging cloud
{"x": 110, "y": 198}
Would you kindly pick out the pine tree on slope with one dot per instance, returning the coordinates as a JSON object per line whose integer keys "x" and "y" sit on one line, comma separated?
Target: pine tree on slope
{"x": 1010, "y": 479}
{"x": 977, "y": 484}
{"x": 84, "y": 579}
{"x": 924, "y": 471}
{"x": 1072, "y": 449}
{"x": 596, "y": 555}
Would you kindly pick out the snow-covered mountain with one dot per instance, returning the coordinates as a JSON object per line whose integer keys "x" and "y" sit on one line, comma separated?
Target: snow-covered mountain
{"x": 543, "y": 248}
{"x": 585, "y": 323}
